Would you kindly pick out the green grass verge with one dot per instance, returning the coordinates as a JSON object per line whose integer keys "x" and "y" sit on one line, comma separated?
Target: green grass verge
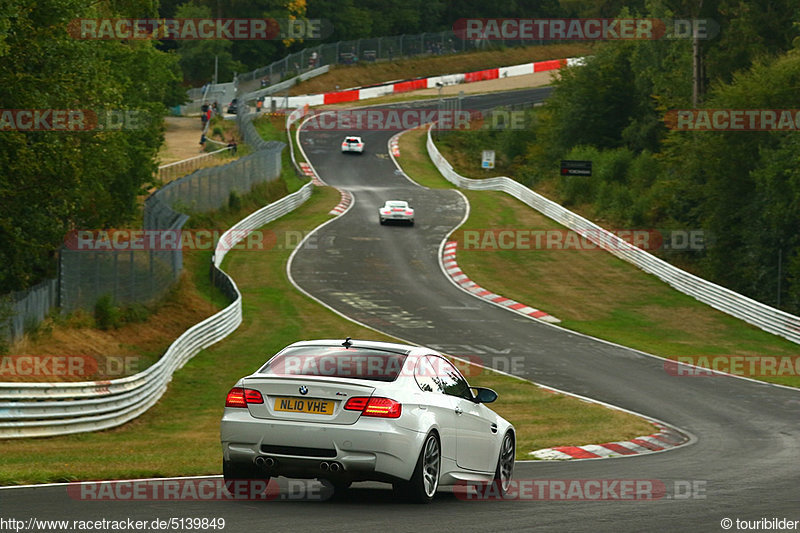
{"x": 273, "y": 128}
{"x": 592, "y": 291}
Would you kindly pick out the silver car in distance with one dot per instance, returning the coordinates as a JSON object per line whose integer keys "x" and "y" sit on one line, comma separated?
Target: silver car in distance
{"x": 365, "y": 411}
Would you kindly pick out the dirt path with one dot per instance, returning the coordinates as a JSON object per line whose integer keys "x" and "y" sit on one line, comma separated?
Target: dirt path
{"x": 181, "y": 139}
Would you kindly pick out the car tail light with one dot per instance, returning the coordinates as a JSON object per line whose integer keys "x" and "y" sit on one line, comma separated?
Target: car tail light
{"x": 377, "y": 407}
{"x": 409, "y": 212}
{"x": 239, "y": 397}
{"x": 356, "y": 403}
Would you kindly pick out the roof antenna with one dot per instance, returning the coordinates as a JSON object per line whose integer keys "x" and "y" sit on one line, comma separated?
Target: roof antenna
{"x": 347, "y": 343}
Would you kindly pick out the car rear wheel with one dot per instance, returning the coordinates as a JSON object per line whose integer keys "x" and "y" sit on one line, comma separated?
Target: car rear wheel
{"x": 505, "y": 464}
{"x": 242, "y": 480}
{"x": 423, "y": 484}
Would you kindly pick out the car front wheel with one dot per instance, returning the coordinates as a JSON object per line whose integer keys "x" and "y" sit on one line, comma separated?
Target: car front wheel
{"x": 505, "y": 464}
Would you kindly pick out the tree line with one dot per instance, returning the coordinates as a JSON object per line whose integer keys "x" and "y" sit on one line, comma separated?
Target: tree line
{"x": 54, "y": 180}
{"x": 347, "y": 20}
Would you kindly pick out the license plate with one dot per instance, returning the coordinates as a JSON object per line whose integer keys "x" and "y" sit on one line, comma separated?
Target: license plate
{"x": 304, "y": 405}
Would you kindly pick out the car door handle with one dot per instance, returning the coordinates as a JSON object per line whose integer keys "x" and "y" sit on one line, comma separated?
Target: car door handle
{"x": 494, "y": 428}
{"x": 458, "y": 411}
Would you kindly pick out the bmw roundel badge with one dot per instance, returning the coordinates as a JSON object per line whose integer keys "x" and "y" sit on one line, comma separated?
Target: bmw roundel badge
{"x": 303, "y": 389}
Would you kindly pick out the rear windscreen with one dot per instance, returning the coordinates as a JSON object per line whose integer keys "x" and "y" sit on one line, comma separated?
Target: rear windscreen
{"x": 336, "y": 361}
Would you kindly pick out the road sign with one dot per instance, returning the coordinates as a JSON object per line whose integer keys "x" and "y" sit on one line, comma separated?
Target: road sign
{"x": 487, "y": 159}
{"x": 576, "y": 168}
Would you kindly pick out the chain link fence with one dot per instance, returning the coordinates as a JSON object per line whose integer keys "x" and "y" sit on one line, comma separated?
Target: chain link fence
{"x": 210, "y": 188}
{"x": 24, "y": 310}
{"x": 127, "y": 276}
{"x": 143, "y": 274}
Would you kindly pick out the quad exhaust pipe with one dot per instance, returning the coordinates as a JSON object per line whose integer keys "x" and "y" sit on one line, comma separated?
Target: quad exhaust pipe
{"x": 332, "y": 467}
{"x": 270, "y": 462}
{"x": 265, "y": 462}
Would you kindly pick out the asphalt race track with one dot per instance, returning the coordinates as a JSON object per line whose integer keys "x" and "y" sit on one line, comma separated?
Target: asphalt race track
{"x": 388, "y": 277}
{"x": 743, "y": 461}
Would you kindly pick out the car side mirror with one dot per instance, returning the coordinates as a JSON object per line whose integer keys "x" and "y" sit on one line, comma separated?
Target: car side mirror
{"x": 483, "y": 395}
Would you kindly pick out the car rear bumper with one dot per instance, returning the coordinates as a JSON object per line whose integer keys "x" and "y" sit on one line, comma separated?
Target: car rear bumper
{"x": 370, "y": 449}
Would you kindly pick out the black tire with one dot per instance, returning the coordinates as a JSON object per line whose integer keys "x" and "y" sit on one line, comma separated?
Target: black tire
{"x": 505, "y": 464}
{"x": 242, "y": 480}
{"x": 340, "y": 488}
{"x": 422, "y": 486}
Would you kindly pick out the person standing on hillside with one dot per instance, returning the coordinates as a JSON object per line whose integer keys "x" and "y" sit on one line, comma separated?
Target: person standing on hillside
{"x": 204, "y": 115}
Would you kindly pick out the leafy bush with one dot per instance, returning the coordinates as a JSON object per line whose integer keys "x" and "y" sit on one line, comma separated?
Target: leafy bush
{"x": 106, "y": 314}
{"x": 134, "y": 313}
{"x": 234, "y": 201}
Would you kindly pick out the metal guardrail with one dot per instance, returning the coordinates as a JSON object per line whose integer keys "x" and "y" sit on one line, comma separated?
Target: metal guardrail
{"x": 48, "y": 409}
{"x": 756, "y": 313}
{"x": 222, "y": 93}
{"x": 174, "y": 170}
{"x": 284, "y": 85}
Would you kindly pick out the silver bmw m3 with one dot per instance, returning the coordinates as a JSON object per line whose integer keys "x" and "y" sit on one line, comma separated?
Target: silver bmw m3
{"x": 363, "y": 410}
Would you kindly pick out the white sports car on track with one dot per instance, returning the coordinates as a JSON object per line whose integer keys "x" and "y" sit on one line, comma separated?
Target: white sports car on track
{"x": 353, "y": 144}
{"x": 365, "y": 411}
{"x": 396, "y": 210}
